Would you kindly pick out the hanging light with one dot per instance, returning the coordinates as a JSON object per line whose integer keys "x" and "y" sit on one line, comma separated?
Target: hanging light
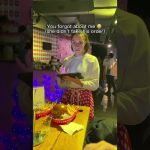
{"x": 109, "y": 45}
{"x": 115, "y": 22}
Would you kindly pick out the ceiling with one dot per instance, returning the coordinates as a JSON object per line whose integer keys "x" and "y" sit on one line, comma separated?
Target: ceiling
{"x": 75, "y": 11}
{"x": 75, "y": 7}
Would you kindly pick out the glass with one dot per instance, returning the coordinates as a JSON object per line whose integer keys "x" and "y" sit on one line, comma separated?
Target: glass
{"x": 43, "y": 127}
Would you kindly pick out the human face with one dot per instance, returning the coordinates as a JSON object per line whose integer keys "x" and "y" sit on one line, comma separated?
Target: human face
{"x": 78, "y": 44}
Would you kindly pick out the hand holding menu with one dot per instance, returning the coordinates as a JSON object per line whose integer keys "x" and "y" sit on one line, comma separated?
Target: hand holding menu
{"x": 77, "y": 74}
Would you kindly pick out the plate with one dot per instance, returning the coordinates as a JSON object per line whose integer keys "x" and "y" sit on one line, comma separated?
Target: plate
{"x": 63, "y": 121}
{"x": 42, "y": 113}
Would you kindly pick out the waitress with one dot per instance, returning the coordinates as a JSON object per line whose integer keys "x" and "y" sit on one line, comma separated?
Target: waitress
{"x": 79, "y": 91}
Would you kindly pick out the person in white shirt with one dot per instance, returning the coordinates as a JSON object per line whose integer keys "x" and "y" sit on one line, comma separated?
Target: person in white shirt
{"x": 109, "y": 63}
{"x": 79, "y": 91}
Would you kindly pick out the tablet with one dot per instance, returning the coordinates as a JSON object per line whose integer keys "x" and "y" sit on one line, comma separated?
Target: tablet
{"x": 78, "y": 75}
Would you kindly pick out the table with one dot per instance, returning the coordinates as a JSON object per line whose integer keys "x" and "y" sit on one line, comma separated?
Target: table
{"x": 57, "y": 139}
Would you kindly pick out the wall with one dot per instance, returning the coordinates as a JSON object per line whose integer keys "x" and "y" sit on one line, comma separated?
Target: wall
{"x": 18, "y": 10}
{"x": 40, "y": 36}
{"x": 61, "y": 45}
{"x": 10, "y": 9}
{"x": 64, "y": 47}
{"x": 122, "y": 4}
{"x": 25, "y": 16}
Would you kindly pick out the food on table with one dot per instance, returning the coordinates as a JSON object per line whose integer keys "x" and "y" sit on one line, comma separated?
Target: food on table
{"x": 58, "y": 111}
{"x": 72, "y": 109}
{"x": 62, "y": 111}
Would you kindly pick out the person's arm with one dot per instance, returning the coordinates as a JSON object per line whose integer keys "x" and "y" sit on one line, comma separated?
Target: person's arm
{"x": 21, "y": 65}
{"x": 102, "y": 145}
{"x": 91, "y": 83}
{"x": 28, "y": 65}
{"x": 114, "y": 70}
{"x": 75, "y": 80}
{"x": 134, "y": 95}
{"x": 104, "y": 68}
{"x": 61, "y": 82}
{"x": 25, "y": 98}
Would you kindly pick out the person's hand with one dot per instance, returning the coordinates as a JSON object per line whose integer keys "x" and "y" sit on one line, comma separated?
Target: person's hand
{"x": 58, "y": 71}
{"x": 102, "y": 145}
{"x": 68, "y": 78}
{"x": 75, "y": 80}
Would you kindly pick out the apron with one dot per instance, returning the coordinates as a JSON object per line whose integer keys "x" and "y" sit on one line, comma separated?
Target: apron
{"x": 79, "y": 97}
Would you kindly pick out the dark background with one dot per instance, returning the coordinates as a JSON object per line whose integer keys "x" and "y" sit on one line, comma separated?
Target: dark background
{"x": 140, "y": 8}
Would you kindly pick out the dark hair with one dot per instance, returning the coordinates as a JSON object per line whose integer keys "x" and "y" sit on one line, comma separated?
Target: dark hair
{"x": 87, "y": 42}
{"x": 111, "y": 55}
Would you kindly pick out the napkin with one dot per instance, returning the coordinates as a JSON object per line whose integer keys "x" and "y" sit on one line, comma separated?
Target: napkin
{"x": 72, "y": 127}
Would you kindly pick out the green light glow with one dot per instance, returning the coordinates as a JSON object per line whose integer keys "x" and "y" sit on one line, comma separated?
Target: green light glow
{"x": 104, "y": 12}
{"x": 105, "y": 3}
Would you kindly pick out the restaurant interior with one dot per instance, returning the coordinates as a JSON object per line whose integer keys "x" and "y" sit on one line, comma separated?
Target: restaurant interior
{"x": 17, "y": 19}
{"x": 51, "y": 45}
{"x": 20, "y": 128}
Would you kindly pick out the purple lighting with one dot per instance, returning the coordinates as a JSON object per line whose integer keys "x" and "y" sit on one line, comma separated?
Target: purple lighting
{"x": 48, "y": 79}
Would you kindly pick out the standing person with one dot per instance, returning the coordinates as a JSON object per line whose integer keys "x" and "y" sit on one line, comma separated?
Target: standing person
{"x": 22, "y": 110}
{"x": 79, "y": 91}
{"x": 133, "y": 81}
{"x": 25, "y": 64}
{"x": 25, "y": 60}
{"x": 109, "y": 63}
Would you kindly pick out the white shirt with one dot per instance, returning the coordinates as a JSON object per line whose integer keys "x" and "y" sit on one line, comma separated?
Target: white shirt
{"x": 88, "y": 66}
{"x": 109, "y": 63}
